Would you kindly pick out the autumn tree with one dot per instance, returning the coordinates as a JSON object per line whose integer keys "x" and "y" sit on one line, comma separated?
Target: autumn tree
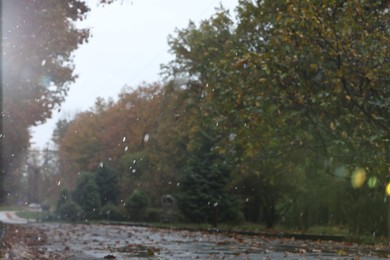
{"x": 292, "y": 77}
{"x": 325, "y": 65}
{"x": 117, "y": 135}
{"x": 38, "y": 40}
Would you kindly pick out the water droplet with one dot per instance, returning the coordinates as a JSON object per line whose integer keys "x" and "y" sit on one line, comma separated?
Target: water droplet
{"x": 146, "y": 138}
{"x": 124, "y": 139}
{"x": 43, "y": 62}
{"x": 101, "y": 164}
{"x": 372, "y": 182}
{"x": 388, "y": 189}
{"x": 178, "y": 184}
{"x": 358, "y": 178}
{"x": 133, "y": 170}
{"x": 126, "y": 148}
{"x": 59, "y": 183}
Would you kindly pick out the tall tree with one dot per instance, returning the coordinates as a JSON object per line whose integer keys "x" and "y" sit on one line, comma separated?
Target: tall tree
{"x": 204, "y": 196}
{"x": 37, "y": 44}
{"x": 293, "y": 76}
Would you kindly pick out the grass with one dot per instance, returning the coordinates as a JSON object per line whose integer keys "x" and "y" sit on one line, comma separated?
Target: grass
{"x": 24, "y": 212}
{"x": 30, "y": 214}
{"x": 12, "y": 208}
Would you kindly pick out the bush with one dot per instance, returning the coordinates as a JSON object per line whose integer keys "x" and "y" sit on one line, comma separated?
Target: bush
{"x": 154, "y": 214}
{"x": 70, "y": 211}
{"x": 113, "y": 212}
{"x": 136, "y": 205}
{"x": 86, "y": 194}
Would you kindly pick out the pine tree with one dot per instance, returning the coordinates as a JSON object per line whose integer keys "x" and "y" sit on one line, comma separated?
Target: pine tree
{"x": 204, "y": 196}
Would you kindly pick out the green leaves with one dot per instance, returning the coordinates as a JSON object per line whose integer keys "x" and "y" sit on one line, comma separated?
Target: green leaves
{"x": 307, "y": 76}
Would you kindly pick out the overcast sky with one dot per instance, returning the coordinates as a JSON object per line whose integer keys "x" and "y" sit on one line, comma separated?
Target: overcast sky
{"x": 127, "y": 47}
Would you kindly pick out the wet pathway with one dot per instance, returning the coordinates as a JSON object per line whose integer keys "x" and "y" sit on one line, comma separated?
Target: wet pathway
{"x": 10, "y": 217}
{"x": 125, "y": 242}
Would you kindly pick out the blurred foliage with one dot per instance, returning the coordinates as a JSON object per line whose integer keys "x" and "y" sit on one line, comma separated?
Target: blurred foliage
{"x": 67, "y": 209}
{"x": 37, "y": 67}
{"x": 136, "y": 205}
{"x": 110, "y": 211}
{"x": 107, "y": 182}
{"x": 203, "y": 193}
{"x": 86, "y": 194}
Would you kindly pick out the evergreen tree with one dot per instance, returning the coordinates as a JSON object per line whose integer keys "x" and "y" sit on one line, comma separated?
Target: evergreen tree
{"x": 136, "y": 205}
{"x": 107, "y": 183}
{"x": 204, "y": 196}
{"x": 86, "y": 194}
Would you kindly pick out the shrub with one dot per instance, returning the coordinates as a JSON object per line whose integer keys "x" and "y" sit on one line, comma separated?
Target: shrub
{"x": 86, "y": 194}
{"x": 113, "y": 212}
{"x": 70, "y": 211}
{"x": 136, "y": 205}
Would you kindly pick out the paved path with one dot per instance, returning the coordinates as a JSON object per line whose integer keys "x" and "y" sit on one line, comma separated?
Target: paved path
{"x": 10, "y": 217}
{"x": 82, "y": 242}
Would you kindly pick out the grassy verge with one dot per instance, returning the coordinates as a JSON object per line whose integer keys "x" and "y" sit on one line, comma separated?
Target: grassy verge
{"x": 12, "y": 208}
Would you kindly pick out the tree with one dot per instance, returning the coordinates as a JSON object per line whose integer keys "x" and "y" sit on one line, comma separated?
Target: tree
{"x": 325, "y": 65}
{"x": 68, "y": 209}
{"x": 292, "y": 77}
{"x": 107, "y": 182}
{"x": 86, "y": 194}
{"x": 204, "y": 196}
{"x": 38, "y": 40}
{"x": 136, "y": 205}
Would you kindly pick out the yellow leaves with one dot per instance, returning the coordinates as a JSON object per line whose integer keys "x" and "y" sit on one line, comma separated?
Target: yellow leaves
{"x": 240, "y": 63}
{"x": 370, "y": 75}
{"x": 341, "y": 252}
{"x": 262, "y": 80}
{"x": 332, "y": 126}
{"x": 314, "y": 66}
{"x": 339, "y": 73}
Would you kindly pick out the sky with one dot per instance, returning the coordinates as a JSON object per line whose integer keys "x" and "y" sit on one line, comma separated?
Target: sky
{"x": 129, "y": 43}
